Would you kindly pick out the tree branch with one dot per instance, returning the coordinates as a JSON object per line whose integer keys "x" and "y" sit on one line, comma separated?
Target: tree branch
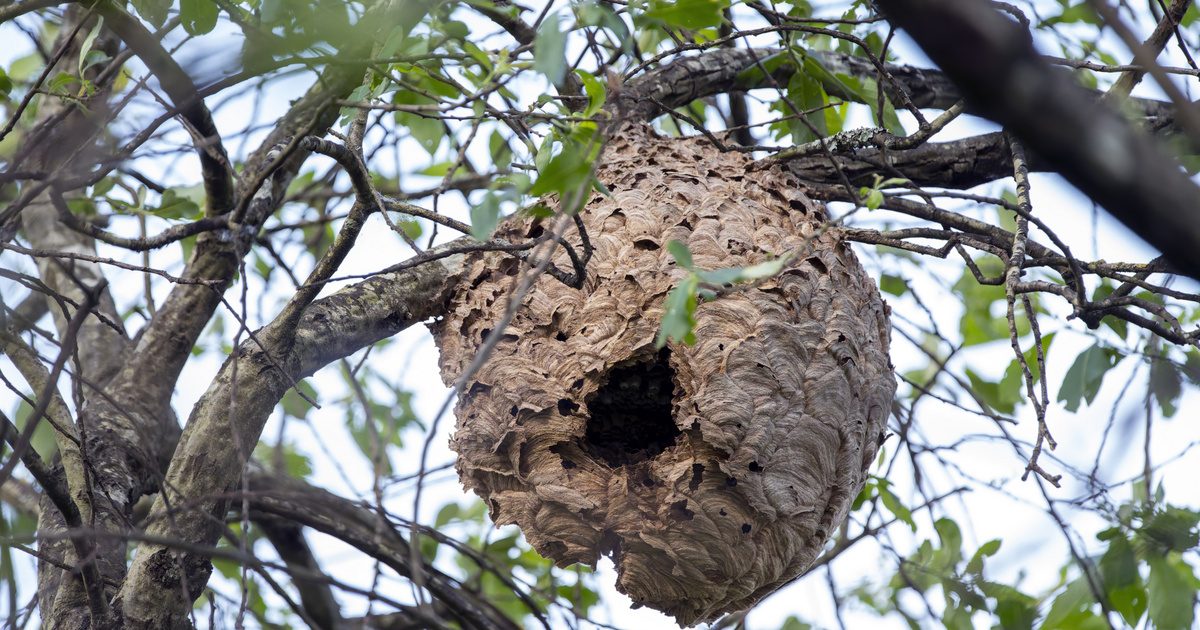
{"x": 233, "y": 411}
{"x": 315, "y": 594}
{"x": 685, "y": 79}
{"x": 1119, "y": 167}
{"x": 1154, "y": 45}
{"x": 372, "y": 534}
{"x": 167, "y": 341}
{"x": 214, "y": 162}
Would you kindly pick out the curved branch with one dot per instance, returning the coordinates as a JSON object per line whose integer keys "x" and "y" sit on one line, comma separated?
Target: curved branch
{"x": 162, "y": 239}
{"x": 370, "y": 533}
{"x": 214, "y": 162}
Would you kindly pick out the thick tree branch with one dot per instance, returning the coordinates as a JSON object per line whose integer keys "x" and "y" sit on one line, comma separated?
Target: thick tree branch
{"x": 62, "y": 131}
{"x": 66, "y": 435}
{"x": 1119, "y": 167}
{"x": 732, "y": 69}
{"x": 54, "y": 485}
{"x": 958, "y": 164}
{"x": 232, "y": 412}
{"x": 166, "y": 343}
{"x": 315, "y": 593}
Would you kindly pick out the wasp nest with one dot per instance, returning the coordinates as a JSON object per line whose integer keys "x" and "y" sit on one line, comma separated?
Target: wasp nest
{"x": 714, "y": 473}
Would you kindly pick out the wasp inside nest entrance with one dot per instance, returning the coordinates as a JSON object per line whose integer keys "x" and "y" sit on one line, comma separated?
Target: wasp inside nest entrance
{"x": 631, "y": 417}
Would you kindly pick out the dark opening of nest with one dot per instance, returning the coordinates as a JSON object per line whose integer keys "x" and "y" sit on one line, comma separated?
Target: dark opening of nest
{"x": 630, "y": 417}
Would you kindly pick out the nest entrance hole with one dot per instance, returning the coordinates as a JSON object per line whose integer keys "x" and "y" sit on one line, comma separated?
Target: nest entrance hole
{"x": 631, "y": 417}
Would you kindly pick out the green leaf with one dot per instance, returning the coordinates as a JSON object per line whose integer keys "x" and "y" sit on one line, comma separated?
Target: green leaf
{"x": 1122, "y": 582}
{"x": 1079, "y": 13}
{"x": 429, "y": 548}
{"x": 428, "y": 131}
{"x": 227, "y": 567}
{"x": 807, "y": 94}
{"x": 566, "y": 173}
{"x": 198, "y": 16}
{"x": 294, "y": 405}
{"x": 1173, "y": 529}
{"x": 892, "y": 284}
{"x": 485, "y": 216}
{"x": 1072, "y": 608}
{"x": 1118, "y": 565}
{"x": 1085, "y": 376}
{"x": 104, "y": 186}
{"x": 1010, "y": 391}
{"x": 86, "y": 47}
{"x": 1118, "y": 325}
{"x": 1191, "y": 366}
{"x": 1172, "y": 593}
{"x": 173, "y": 205}
{"x": 869, "y": 490}
{"x": 679, "y": 316}
{"x": 1031, "y": 356}
{"x": 1002, "y": 396}
{"x": 411, "y": 228}
{"x": 986, "y": 550}
{"x": 500, "y": 151}
{"x": 550, "y": 49}
{"x": 689, "y": 14}
{"x": 82, "y": 206}
{"x": 602, "y": 15}
{"x": 792, "y": 623}
{"x": 595, "y": 90}
{"x": 681, "y": 253}
{"x": 42, "y": 441}
{"x": 893, "y": 505}
{"x": 448, "y": 513}
{"x": 1014, "y": 609}
{"x": 437, "y": 169}
{"x": 1166, "y": 383}
{"x": 581, "y": 597}
{"x": 951, "y": 537}
{"x": 23, "y": 68}
{"x": 722, "y": 277}
{"x": 756, "y": 74}
{"x": 295, "y": 463}
{"x": 155, "y": 11}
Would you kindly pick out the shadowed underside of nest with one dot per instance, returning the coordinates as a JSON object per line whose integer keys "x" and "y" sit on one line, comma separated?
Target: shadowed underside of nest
{"x": 714, "y": 473}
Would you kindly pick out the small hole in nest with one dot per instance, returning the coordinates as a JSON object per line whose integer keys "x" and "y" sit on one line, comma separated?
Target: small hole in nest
{"x": 680, "y": 511}
{"x": 697, "y": 477}
{"x": 630, "y": 417}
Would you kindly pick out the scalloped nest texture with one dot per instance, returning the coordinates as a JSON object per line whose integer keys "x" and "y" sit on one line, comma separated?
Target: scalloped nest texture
{"x": 781, "y": 402}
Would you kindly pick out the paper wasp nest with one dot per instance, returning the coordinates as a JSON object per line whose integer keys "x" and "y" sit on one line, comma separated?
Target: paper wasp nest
{"x": 713, "y": 474}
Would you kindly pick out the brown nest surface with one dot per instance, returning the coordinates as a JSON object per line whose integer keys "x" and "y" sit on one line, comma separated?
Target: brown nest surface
{"x": 713, "y": 473}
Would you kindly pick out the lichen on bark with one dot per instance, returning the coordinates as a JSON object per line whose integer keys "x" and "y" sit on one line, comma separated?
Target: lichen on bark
{"x": 713, "y": 473}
